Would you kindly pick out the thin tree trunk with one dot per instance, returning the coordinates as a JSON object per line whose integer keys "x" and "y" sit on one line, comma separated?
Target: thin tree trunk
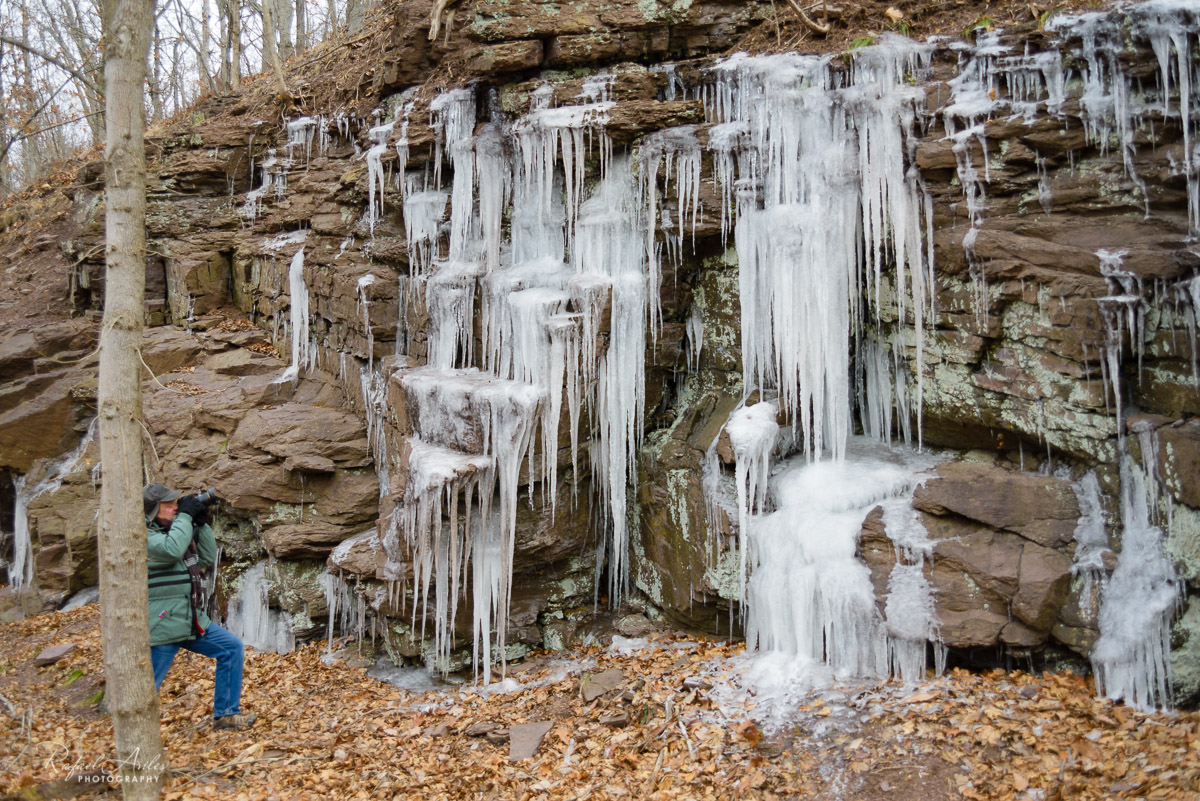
{"x": 124, "y": 628}
{"x": 4, "y": 142}
{"x": 271, "y": 53}
{"x": 281, "y": 11}
{"x": 202, "y": 54}
{"x": 155, "y": 81}
{"x": 301, "y": 26}
{"x": 235, "y": 43}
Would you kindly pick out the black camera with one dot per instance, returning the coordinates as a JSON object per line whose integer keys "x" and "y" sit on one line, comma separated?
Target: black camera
{"x": 207, "y": 497}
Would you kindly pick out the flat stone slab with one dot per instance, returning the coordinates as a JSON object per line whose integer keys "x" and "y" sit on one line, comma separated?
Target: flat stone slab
{"x": 595, "y": 685}
{"x": 524, "y": 739}
{"x": 50, "y": 655}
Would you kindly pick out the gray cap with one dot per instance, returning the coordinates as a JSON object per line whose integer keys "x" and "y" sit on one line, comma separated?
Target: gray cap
{"x": 153, "y": 495}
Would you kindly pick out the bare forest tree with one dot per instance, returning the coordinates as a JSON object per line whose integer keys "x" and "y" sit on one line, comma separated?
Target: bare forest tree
{"x": 124, "y": 624}
{"x": 51, "y": 103}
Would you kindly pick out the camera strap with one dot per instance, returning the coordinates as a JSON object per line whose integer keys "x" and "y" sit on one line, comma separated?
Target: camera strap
{"x": 191, "y": 560}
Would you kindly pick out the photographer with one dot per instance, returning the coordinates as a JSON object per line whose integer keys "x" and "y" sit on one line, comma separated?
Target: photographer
{"x": 181, "y": 546}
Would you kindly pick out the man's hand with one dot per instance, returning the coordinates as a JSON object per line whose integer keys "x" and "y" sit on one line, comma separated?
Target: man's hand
{"x": 193, "y": 508}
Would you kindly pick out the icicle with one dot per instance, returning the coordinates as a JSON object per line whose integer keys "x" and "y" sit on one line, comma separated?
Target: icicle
{"x": 21, "y": 570}
{"x": 251, "y": 618}
{"x": 695, "y": 338}
{"x": 541, "y": 135}
{"x": 302, "y": 356}
{"x": 1131, "y": 657}
{"x": 423, "y": 214}
{"x": 825, "y": 166}
{"x": 408, "y": 102}
{"x": 1121, "y": 312}
{"x": 450, "y": 299}
{"x": 752, "y": 433}
{"x": 1104, "y": 104}
{"x": 374, "y": 390}
{"x": 300, "y": 133}
{"x": 610, "y": 245}
{"x": 436, "y": 477}
{"x": 253, "y": 204}
{"x": 679, "y": 148}
{"x": 1091, "y": 539}
{"x": 364, "y": 309}
{"x": 378, "y": 136}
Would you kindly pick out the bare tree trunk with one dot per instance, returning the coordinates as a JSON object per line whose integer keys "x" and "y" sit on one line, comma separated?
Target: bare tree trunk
{"x": 154, "y": 84}
{"x": 281, "y": 10}
{"x": 235, "y": 43}
{"x": 4, "y": 143}
{"x": 231, "y": 44}
{"x": 124, "y": 627}
{"x": 202, "y": 54}
{"x": 331, "y": 18}
{"x": 271, "y": 53}
{"x": 356, "y": 14}
{"x": 301, "y": 26}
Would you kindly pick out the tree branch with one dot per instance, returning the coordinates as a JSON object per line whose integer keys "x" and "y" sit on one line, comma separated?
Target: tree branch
{"x": 52, "y": 60}
{"x": 808, "y": 22}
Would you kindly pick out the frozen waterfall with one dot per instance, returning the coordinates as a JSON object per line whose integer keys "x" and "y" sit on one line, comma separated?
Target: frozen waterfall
{"x": 810, "y": 597}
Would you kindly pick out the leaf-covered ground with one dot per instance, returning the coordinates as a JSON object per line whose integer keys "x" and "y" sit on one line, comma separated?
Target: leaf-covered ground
{"x": 665, "y": 727}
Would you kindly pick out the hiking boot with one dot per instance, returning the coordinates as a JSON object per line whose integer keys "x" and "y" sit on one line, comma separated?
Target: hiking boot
{"x": 242, "y": 720}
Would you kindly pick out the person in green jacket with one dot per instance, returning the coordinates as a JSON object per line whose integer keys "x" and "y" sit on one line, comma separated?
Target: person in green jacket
{"x": 181, "y": 546}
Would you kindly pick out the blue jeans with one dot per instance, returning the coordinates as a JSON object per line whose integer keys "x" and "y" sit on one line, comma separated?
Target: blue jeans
{"x": 218, "y": 643}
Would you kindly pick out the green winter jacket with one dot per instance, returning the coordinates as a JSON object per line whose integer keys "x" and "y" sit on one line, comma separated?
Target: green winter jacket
{"x": 170, "y": 584}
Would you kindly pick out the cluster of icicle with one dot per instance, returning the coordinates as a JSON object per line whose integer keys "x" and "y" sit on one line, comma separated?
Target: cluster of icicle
{"x": 819, "y": 166}
{"x": 20, "y": 569}
{"x": 993, "y": 82}
{"x": 481, "y": 415}
{"x": 816, "y": 166}
{"x": 250, "y": 616}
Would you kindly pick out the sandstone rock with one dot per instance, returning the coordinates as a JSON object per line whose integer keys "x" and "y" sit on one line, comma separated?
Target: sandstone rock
{"x": 1016, "y": 634}
{"x": 361, "y": 553}
{"x": 166, "y": 348}
{"x": 595, "y": 685}
{"x": 617, "y": 719}
{"x": 1045, "y": 580}
{"x": 16, "y": 606}
{"x": 526, "y": 738}
{"x": 1179, "y": 461}
{"x": 39, "y": 415}
{"x": 301, "y": 540}
{"x": 637, "y": 625}
{"x": 1042, "y": 509}
{"x": 480, "y": 728}
{"x": 507, "y": 57}
{"x": 53, "y": 653}
{"x": 21, "y": 348}
{"x": 241, "y": 362}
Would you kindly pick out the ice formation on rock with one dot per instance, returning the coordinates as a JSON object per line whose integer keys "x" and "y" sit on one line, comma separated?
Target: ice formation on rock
{"x": 829, "y": 167}
{"x": 251, "y": 618}
{"x": 752, "y": 431}
{"x": 20, "y": 570}
{"x": 538, "y": 259}
{"x": 1137, "y": 602}
{"x": 808, "y": 595}
{"x": 303, "y": 350}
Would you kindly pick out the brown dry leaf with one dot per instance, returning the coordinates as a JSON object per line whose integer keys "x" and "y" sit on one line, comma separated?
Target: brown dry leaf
{"x": 894, "y": 14}
{"x": 1020, "y": 782}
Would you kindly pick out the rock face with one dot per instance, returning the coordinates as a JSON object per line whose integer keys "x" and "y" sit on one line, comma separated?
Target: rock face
{"x": 1038, "y": 230}
{"x": 1002, "y": 551}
